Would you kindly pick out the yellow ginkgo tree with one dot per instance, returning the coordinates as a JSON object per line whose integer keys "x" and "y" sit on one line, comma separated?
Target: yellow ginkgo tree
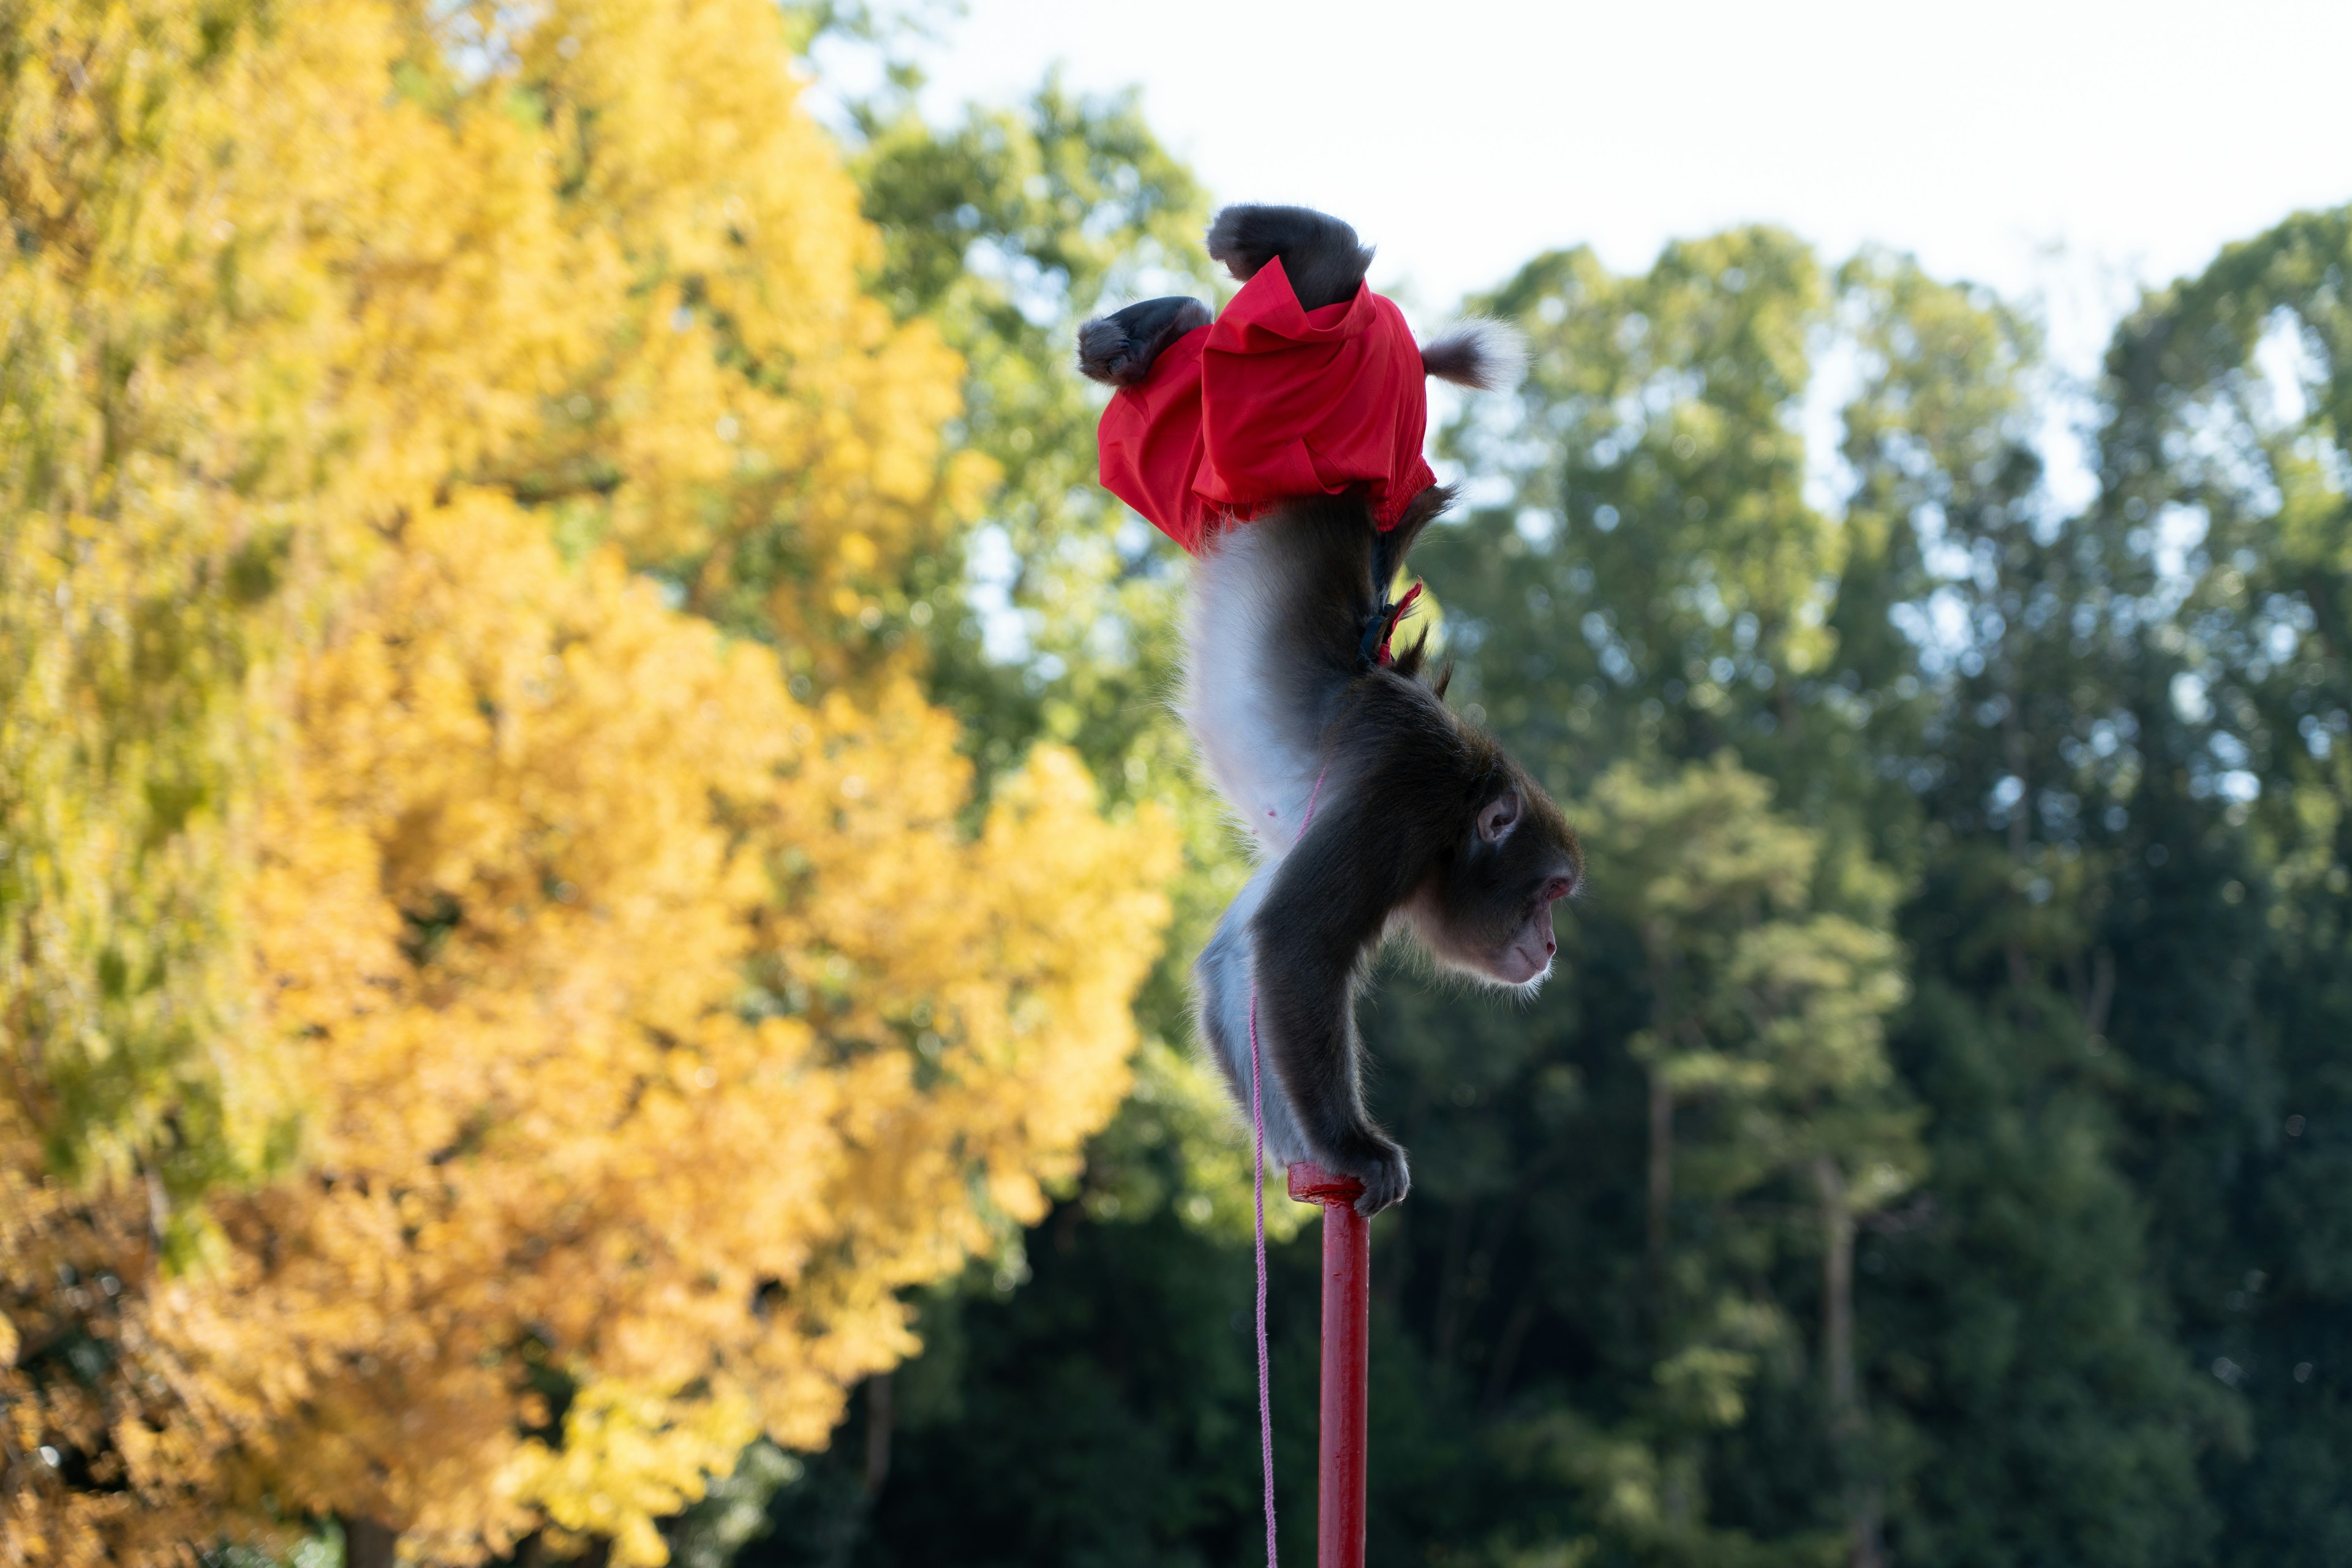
{"x": 505, "y": 982}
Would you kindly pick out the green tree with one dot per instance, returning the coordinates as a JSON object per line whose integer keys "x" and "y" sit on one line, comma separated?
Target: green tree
{"x": 1967, "y": 892}
{"x": 2227, "y": 496}
{"x": 2030, "y": 1345}
{"x": 1006, "y": 230}
{"x": 1657, "y": 578}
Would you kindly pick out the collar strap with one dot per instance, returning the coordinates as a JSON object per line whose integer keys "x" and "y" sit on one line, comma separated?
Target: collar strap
{"x": 1374, "y": 647}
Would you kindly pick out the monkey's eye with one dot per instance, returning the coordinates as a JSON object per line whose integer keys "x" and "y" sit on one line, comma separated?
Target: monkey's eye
{"x": 1558, "y": 889}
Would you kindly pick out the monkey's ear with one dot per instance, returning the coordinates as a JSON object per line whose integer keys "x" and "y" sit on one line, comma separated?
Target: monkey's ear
{"x": 1499, "y": 816}
{"x": 1418, "y": 513}
{"x": 1444, "y": 678}
{"x": 1408, "y": 663}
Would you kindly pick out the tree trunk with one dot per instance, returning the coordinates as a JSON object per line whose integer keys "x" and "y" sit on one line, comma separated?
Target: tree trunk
{"x": 1508, "y": 1346}
{"x": 879, "y": 1412}
{"x": 2013, "y": 751}
{"x": 1656, "y": 941}
{"x": 1452, "y": 1287}
{"x": 367, "y": 1544}
{"x": 1842, "y": 1389}
{"x": 1662, "y": 1180}
{"x": 1837, "y": 1290}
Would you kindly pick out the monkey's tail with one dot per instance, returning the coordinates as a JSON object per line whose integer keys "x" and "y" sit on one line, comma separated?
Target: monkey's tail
{"x": 1480, "y": 352}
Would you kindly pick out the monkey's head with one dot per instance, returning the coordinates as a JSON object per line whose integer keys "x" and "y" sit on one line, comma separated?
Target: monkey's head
{"x": 1486, "y": 908}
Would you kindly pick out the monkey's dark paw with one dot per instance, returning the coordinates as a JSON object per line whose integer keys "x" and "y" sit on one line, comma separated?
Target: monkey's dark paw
{"x": 1379, "y": 1164}
{"x": 1320, "y": 253}
{"x": 1119, "y": 348}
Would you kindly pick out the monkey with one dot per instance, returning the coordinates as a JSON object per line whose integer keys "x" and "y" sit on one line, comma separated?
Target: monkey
{"x": 1423, "y": 825}
{"x": 1374, "y": 810}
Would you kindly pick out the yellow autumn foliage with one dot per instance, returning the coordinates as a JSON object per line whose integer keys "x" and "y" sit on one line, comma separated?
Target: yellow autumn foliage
{"x": 596, "y": 1037}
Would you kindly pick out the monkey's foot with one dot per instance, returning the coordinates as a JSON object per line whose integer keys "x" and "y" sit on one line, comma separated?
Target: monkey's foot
{"x": 1318, "y": 252}
{"x": 1119, "y": 348}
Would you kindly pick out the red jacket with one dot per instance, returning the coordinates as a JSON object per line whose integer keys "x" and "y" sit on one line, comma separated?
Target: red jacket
{"x": 1270, "y": 401}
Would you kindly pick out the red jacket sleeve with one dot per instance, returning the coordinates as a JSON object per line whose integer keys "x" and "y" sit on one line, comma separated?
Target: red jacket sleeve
{"x": 1152, "y": 443}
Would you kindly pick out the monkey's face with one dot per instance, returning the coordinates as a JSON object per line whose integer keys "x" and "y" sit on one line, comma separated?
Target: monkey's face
{"x": 1489, "y": 912}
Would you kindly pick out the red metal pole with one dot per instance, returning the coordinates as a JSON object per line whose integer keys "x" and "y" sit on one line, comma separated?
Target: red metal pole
{"x": 1346, "y": 1347}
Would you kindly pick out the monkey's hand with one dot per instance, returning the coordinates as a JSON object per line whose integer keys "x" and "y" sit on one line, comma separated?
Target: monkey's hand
{"x": 1375, "y": 1159}
{"x": 1310, "y": 942}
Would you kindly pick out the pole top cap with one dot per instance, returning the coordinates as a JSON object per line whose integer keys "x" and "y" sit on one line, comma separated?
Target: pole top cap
{"x": 1311, "y": 1184}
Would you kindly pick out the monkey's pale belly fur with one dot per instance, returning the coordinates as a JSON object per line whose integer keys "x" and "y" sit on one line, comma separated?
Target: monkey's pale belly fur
{"x": 1261, "y": 754}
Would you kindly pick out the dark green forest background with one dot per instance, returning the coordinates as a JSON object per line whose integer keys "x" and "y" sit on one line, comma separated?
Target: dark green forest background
{"x": 1935, "y": 1147}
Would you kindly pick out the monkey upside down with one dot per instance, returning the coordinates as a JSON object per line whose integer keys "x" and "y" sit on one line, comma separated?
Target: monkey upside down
{"x": 1281, "y": 446}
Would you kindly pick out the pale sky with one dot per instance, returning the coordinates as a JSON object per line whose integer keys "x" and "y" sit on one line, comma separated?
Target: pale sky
{"x": 2063, "y": 148}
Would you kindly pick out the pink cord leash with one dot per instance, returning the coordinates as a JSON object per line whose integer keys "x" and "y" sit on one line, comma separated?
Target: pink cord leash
{"x": 1257, "y": 1172}
{"x": 1257, "y": 1184}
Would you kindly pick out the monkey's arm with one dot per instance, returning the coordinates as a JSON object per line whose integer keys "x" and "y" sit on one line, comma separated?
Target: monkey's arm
{"x": 1224, "y": 988}
{"x": 1311, "y": 940}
